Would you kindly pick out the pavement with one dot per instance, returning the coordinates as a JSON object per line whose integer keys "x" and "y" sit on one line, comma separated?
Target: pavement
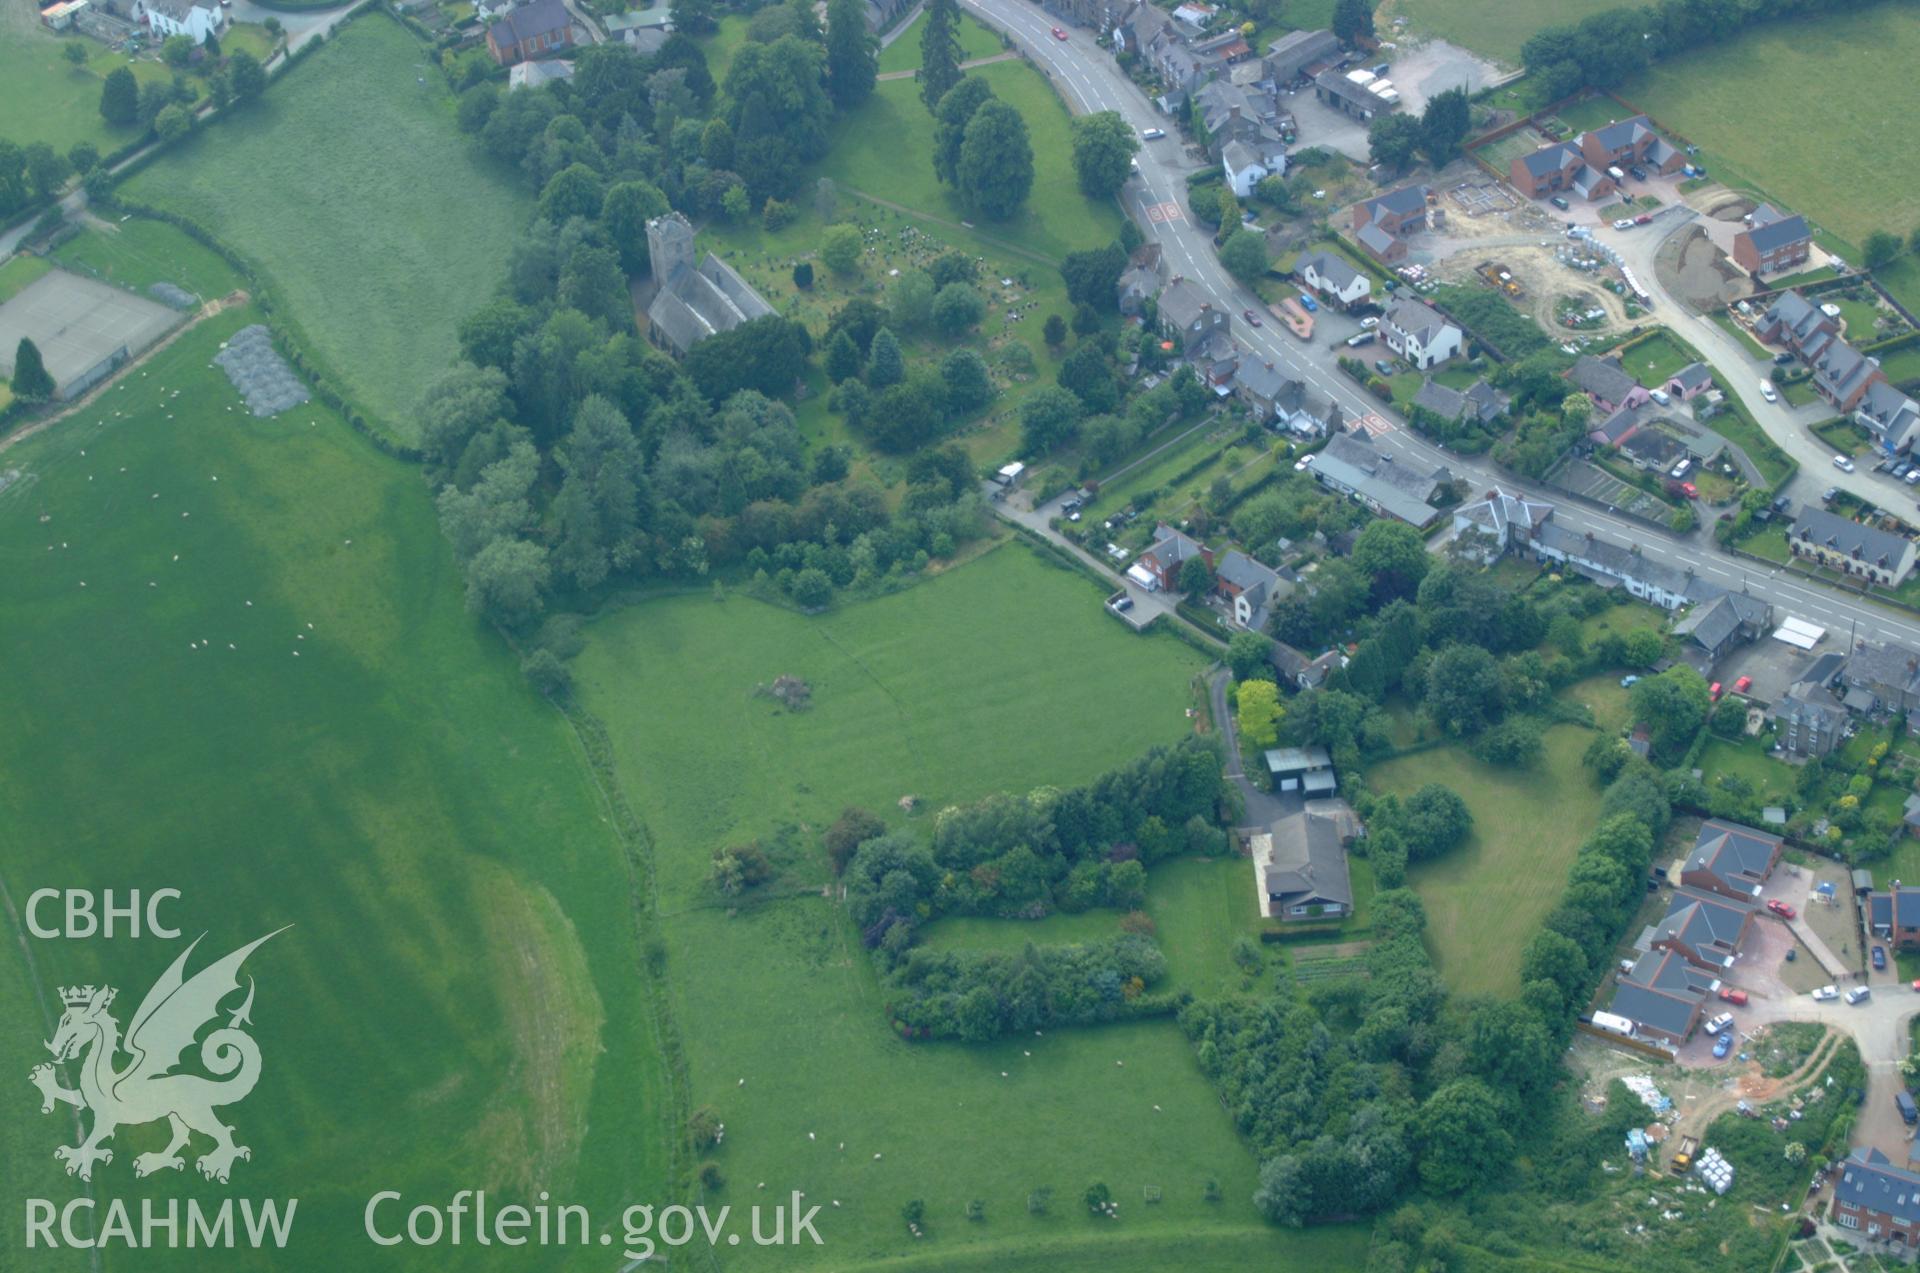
{"x": 1089, "y": 80}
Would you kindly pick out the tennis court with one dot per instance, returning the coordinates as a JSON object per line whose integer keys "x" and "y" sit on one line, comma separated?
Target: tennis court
{"x": 83, "y": 328}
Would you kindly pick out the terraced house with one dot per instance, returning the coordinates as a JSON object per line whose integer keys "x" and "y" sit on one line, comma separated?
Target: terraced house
{"x": 1860, "y": 552}
{"x": 1894, "y": 916}
{"x": 1841, "y": 374}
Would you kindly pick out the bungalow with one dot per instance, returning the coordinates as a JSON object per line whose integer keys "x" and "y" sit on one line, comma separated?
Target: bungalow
{"x": 1295, "y": 54}
{"x": 1334, "y": 277}
{"x": 533, "y": 30}
{"x": 1890, "y": 415}
{"x": 1308, "y": 770}
{"x": 1663, "y": 995}
{"x": 1689, "y": 382}
{"x": 1773, "y": 241}
{"x": 1732, "y": 617}
{"x": 1250, "y": 588}
{"x": 1894, "y": 916}
{"x": 1140, "y": 281}
{"x": 1158, "y": 568}
{"x": 1349, "y": 464}
{"x": 1270, "y": 391}
{"x": 1189, "y": 315}
{"x": 1704, "y": 928}
{"x": 539, "y": 74}
{"x": 1560, "y": 168}
{"x": 1607, "y": 383}
{"x": 1883, "y": 678}
{"x": 1629, "y": 142}
{"x": 1731, "y": 860}
{"x": 1499, "y": 521}
{"x": 1418, "y": 333}
{"x": 1247, "y": 165}
{"x": 1864, "y": 552}
{"x": 1651, "y": 448}
{"x": 1479, "y": 403}
{"x": 1878, "y": 1199}
{"x": 1300, "y": 865}
{"x": 1616, "y": 429}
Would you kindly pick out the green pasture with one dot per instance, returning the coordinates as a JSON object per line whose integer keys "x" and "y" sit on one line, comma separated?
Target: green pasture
{"x": 237, "y": 663}
{"x": 139, "y": 252}
{"x": 334, "y": 187}
{"x": 1496, "y": 28}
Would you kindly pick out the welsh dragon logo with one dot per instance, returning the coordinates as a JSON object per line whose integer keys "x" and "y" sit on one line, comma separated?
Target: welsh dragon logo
{"x": 145, "y": 1089}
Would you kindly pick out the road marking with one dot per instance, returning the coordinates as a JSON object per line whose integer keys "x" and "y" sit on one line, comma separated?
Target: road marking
{"x": 1165, "y": 212}
{"x": 1374, "y": 423}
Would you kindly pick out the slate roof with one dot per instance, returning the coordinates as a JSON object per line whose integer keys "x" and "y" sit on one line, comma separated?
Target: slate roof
{"x": 1896, "y": 667}
{"x": 1243, "y": 572}
{"x": 1867, "y": 543}
{"x": 1417, "y": 319}
{"x": 1400, "y": 489}
{"x": 1170, "y": 548}
{"x": 179, "y": 9}
{"x": 1798, "y": 318}
{"x": 1619, "y": 428}
{"x": 1888, "y": 412}
{"x": 1373, "y": 238}
{"x": 1881, "y": 905}
{"x": 1263, "y": 379}
{"x": 1869, "y": 1180}
{"x": 1336, "y": 271}
{"x": 530, "y": 22}
{"x": 1480, "y": 400}
{"x": 1604, "y": 378}
{"x": 1618, "y": 561}
{"x": 1695, "y": 375}
{"x": 1705, "y": 923}
{"x": 1290, "y": 760}
{"x": 1624, "y": 133}
{"x": 1714, "y": 622}
{"x": 1551, "y": 159}
{"x": 1662, "y": 990}
{"x": 1839, "y": 368}
{"x": 1773, "y": 229}
{"x": 1405, "y": 201}
{"x": 1182, "y": 303}
{"x": 693, "y": 304}
{"x": 1737, "y": 856}
{"x": 1238, "y": 157}
{"x": 1500, "y": 512}
{"x": 1306, "y": 861}
{"x": 1298, "y": 50}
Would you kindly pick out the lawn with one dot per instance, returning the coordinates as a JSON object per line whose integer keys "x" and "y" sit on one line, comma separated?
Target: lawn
{"x": 1827, "y": 154}
{"x": 997, "y": 675}
{"x": 1496, "y": 28}
{"x": 1902, "y": 280}
{"x": 458, "y": 1003}
{"x": 43, "y": 97}
{"x": 1653, "y": 361}
{"x": 1747, "y": 759}
{"x": 976, "y": 41}
{"x": 334, "y": 186}
{"x": 139, "y": 252}
{"x": 1605, "y": 699}
{"x": 1486, "y": 898}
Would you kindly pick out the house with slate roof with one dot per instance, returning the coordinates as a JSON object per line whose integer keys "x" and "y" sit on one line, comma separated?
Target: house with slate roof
{"x": 1349, "y": 464}
{"x": 1885, "y": 678}
{"x": 1300, "y": 867}
{"x": 1420, "y": 334}
{"x": 1398, "y": 212}
{"x": 1731, "y": 860}
{"x": 533, "y": 30}
{"x": 1501, "y": 520}
{"x": 1479, "y": 403}
{"x": 1894, "y": 916}
{"x": 1250, "y": 588}
{"x": 1615, "y": 565}
{"x": 1607, "y": 383}
{"x": 1794, "y": 321}
{"x": 1268, "y": 390}
{"x": 1704, "y": 928}
{"x": 1773, "y": 241}
{"x": 1189, "y": 315}
{"x": 1140, "y": 281}
{"x": 1863, "y": 552}
{"x": 1663, "y": 995}
{"x": 1732, "y": 618}
{"x": 1334, "y": 277}
{"x": 1560, "y": 168}
{"x": 1158, "y": 568}
{"x": 1889, "y": 415}
{"x": 1247, "y": 164}
{"x": 1878, "y": 1199}
{"x": 1629, "y": 142}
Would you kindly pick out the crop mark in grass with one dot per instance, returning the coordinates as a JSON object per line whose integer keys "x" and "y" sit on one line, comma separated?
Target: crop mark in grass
{"x": 893, "y": 700}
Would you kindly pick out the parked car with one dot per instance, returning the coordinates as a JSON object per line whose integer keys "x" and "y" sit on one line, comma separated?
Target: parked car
{"x": 1645, "y": 218}
{"x": 1879, "y": 959}
{"x": 1912, "y": 477}
{"x": 1829, "y": 495}
{"x": 1780, "y": 908}
{"x": 1623, "y": 223}
{"x": 1738, "y": 998}
{"x": 1744, "y": 684}
{"x": 1639, "y": 173}
{"x": 1302, "y": 464}
{"x": 1680, "y": 470}
{"x": 1058, "y": 34}
{"x": 1768, "y": 392}
{"x": 1122, "y": 604}
{"x": 1859, "y": 995}
{"x": 1690, "y": 490}
{"x": 1153, "y": 134}
{"x": 1719, "y": 1023}
{"x": 1628, "y": 682}
{"x": 1250, "y": 316}
{"x": 1313, "y": 306}
{"x": 1370, "y": 322}
{"x": 1903, "y": 1101}
{"x": 1714, "y": 691}
{"x": 1723, "y": 1045}
{"x": 1560, "y": 203}
{"x": 1782, "y": 359}
{"x": 1842, "y": 463}
{"x": 1825, "y": 993}
{"x": 1661, "y": 396}
{"x": 1364, "y": 338}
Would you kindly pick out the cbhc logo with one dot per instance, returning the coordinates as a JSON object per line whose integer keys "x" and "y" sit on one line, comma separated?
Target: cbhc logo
{"x": 79, "y": 913}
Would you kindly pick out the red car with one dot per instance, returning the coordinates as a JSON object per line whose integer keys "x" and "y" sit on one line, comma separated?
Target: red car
{"x": 1692, "y": 491}
{"x": 1645, "y": 218}
{"x": 1250, "y": 316}
{"x": 1744, "y": 684}
{"x": 1738, "y": 998}
{"x": 1713, "y": 691}
{"x": 1781, "y": 909}
{"x": 1058, "y": 34}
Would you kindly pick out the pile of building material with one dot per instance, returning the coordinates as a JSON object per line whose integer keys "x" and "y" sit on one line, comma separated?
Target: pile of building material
{"x": 1715, "y": 1171}
{"x": 1641, "y": 1085}
{"x": 259, "y": 373}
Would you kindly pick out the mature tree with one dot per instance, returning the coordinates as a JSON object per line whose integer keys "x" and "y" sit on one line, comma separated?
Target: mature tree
{"x": 852, "y": 54}
{"x": 1643, "y": 647}
{"x": 1462, "y": 1138}
{"x": 779, "y": 111}
{"x": 958, "y": 307}
{"x": 1196, "y": 576}
{"x": 1464, "y": 689}
{"x": 692, "y": 17}
{"x": 75, "y": 53}
{"x": 592, "y": 282}
{"x": 1103, "y": 148}
{"x": 463, "y": 401}
{"x": 1553, "y": 958}
{"x": 996, "y": 161}
{"x": 120, "y": 97}
{"x": 951, "y": 117}
{"x": 176, "y": 51}
{"x": 886, "y": 365}
{"x": 1353, "y": 19}
{"x": 1393, "y": 557}
{"x": 46, "y": 169}
{"x": 803, "y": 275}
{"x": 1880, "y": 248}
{"x": 31, "y": 383}
{"x": 83, "y": 157}
{"x": 1433, "y": 821}
{"x": 574, "y": 191}
{"x": 1392, "y": 141}
{"x": 1054, "y": 331}
{"x": 505, "y": 580}
{"x": 624, "y": 214}
{"x": 1247, "y": 655}
{"x": 1087, "y": 374}
{"x": 173, "y": 122}
{"x": 1672, "y": 705}
{"x": 767, "y": 354}
{"x": 1257, "y": 710}
{"x": 1444, "y": 125}
{"x": 859, "y": 318}
{"x": 599, "y": 505}
{"x": 1093, "y": 276}
{"x": 939, "y": 52}
{"x": 909, "y": 414}
{"x": 843, "y": 361}
{"x": 969, "y": 387}
{"x": 248, "y": 76}
{"x": 1048, "y": 417}
{"x": 911, "y": 298}
{"x": 1913, "y": 240}
{"x": 840, "y": 249}
{"x": 1245, "y": 254}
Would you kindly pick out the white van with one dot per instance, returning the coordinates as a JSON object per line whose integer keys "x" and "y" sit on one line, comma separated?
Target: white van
{"x": 1859, "y": 995}
{"x": 1768, "y": 392}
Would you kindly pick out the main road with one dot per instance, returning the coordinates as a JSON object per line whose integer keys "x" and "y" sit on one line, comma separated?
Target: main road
{"x": 1089, "y": 80}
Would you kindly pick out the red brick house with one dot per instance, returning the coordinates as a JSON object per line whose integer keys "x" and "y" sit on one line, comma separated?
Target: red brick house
{"x": 1381, "y": 224}
{"x": 1158, "y": 568}
{"x": 1559, "y": 169}
{"x": 1630, "y": 142}
{"x": 1731, "y": 860}
{"x": 1772, "y": 241}
{"x": 1878, "y": 1199}
{"x": 1894, "y": 916}
{"x": 530, "y": 31}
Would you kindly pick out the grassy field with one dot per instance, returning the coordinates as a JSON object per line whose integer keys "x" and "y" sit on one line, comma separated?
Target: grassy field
{"x": 269, "y": 695}
{"x": 1902, "y": 280}
{"x": 43, "y": 97}
{"x": 18, "y": 272}
{"x": 334, "y": 187}
{"x": 140, "y": 252}
{"x": 1492, "y": 27}
{"x": 1485, "y": 899}
{"x": 1747, "y": 759}
{"x": 1826, "y": 154}
{"x": 976, "y": 41}
{"x": 998, "y": 675}
{"x": 1653, "y": 361}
